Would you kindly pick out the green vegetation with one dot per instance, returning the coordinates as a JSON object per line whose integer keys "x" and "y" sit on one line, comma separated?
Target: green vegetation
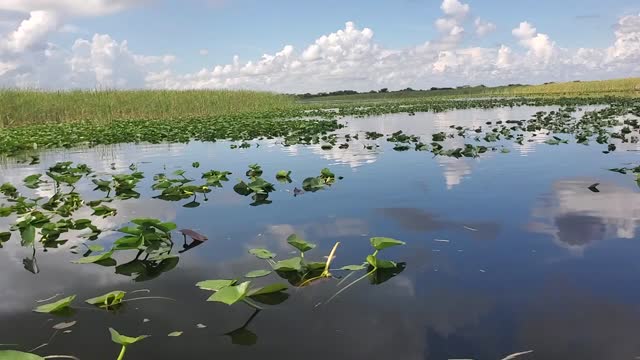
{"x": 617, "y": 87}
{"x": 28, "y": 107}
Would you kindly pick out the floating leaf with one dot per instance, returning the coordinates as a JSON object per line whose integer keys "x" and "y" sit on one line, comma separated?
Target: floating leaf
{"x": 283, "y": 174}
{"x": 215, "y": 285}
{"x": 231, "y": 294}
{"x": 124, "y": 340}
{"x": 55, "y": 306}
{"x": 95, "y": 248}
{"x": 257, "y": 273}
{"x": 112, "y": 298}
{"x": 262, "y": 253}
{"x": 18, "y": 355}
{"x": 380, "y": 243}
{"x": 380, "y": 264}
{"x": 28, "y": 235}
{"x": 353, "y": 267}
{"x": 94, "y": 259}
{"x": 64, "y": 325}
{"x": 269, "y": 289}
{"x": 299, "y": 243}
{"x": 293, "y": 264}
{"x": 176, "y": 333}
{"x": 195, "y": 165}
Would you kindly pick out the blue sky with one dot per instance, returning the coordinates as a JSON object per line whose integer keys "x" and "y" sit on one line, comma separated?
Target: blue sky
{"x": 251, "y": 28}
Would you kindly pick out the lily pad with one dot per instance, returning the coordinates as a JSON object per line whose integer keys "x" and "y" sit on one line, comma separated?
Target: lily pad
{"x": 257, "y": 273}
{"x": 112, "y": 298}
{"x": 18, "y": 355}
{"x": 124, "y": 340}
{"x": 231, "y": 294}
{"x": 269, "y": 289}
{"x": 94, "y": 258}
{"x": 353, "y": 267}
{"x": 299, "y": 243}
{"x": 293, "y": 264}
{"x": 215, "y": 285}
{"x": 55, "y": 306}
{"x": 262, "y": 253}
{"x": 380, "y": 243}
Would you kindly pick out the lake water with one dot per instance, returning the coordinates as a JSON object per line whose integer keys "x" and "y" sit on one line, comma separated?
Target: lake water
{"x": 505, "y": 253}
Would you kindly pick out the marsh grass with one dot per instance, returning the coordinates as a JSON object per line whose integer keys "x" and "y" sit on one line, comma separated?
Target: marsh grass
{"x": 615, "y": 87}
{"x": 27, "y": 107}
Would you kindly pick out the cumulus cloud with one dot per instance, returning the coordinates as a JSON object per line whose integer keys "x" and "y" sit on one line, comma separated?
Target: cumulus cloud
{"x": 348, "y": 58}
{"x": 455, "y": 8}
{"x": 31, "y": 31}
{"x": 539, "y": 45}
{"x": 483, "y": 27}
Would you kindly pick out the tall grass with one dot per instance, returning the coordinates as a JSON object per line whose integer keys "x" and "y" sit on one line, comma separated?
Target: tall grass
{"x": 24, "y": 107}
{"x": 621, "y": 87}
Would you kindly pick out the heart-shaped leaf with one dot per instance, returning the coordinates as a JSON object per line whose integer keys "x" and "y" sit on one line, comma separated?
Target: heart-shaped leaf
{"x": 124, "y": 340}
{"x": 299, "y": 243}
{"x": 231, "y": 294}
{"x": 380, "y": 243}
{"x": 293, "y": 264}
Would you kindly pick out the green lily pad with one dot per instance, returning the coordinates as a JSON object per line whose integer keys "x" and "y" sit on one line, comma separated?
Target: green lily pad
{"x": 94, "y": 258}
{"x": 262, "y": 253}
{"x": 299, "y": 243}
{"x": 124, "y": 340}
{"x": 18, "y": 355}
{"x": 257, "y": 273}
{"x": 353, "y": 267}
{"x": 215, "y": 285}
{"x": 269, "y": 289}
{"x": 293, "y": 264}
{"x": 109, "y": 299}
{"x": 380, "y": 243}
{"x": 55, "y": 306}
{"x": 231, "y": 294}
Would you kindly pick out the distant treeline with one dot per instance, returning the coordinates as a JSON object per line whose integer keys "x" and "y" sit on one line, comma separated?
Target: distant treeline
{"x": 386, "y": 91}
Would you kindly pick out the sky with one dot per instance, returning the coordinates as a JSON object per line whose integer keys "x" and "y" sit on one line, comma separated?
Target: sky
{"x": 312, "y": 46}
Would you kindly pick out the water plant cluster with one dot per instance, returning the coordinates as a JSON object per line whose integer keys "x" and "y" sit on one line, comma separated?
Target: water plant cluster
{"x": 305, "y": 125}
{"x": 299, "y": 272}
{"x": 44, "y": 220}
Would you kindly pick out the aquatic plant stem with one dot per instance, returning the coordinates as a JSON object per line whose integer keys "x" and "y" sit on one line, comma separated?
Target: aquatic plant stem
{"x": 122, "y": 351}
{"x": 352, "y": 283}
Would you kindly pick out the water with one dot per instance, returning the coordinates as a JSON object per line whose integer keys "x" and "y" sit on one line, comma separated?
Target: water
{"x": 505, "y": 253}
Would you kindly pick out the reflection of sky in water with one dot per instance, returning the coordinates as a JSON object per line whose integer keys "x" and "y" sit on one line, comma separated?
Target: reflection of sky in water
{"x": 485, "y": 276}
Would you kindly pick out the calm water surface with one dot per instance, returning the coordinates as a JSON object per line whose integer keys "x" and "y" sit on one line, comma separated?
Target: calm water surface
{"x": 505, "y": 253}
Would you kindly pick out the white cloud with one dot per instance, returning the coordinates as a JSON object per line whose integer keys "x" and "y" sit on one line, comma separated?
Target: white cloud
{"x": 349, "y": 58}
{"x": 483, "y": 27}
{"x": 70, "y": 7}
{"x": 455, "y": 8}
{"x": 31, "y": 31}
{"x": 540, "y": 45}
{"x": 203, "y": 52}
